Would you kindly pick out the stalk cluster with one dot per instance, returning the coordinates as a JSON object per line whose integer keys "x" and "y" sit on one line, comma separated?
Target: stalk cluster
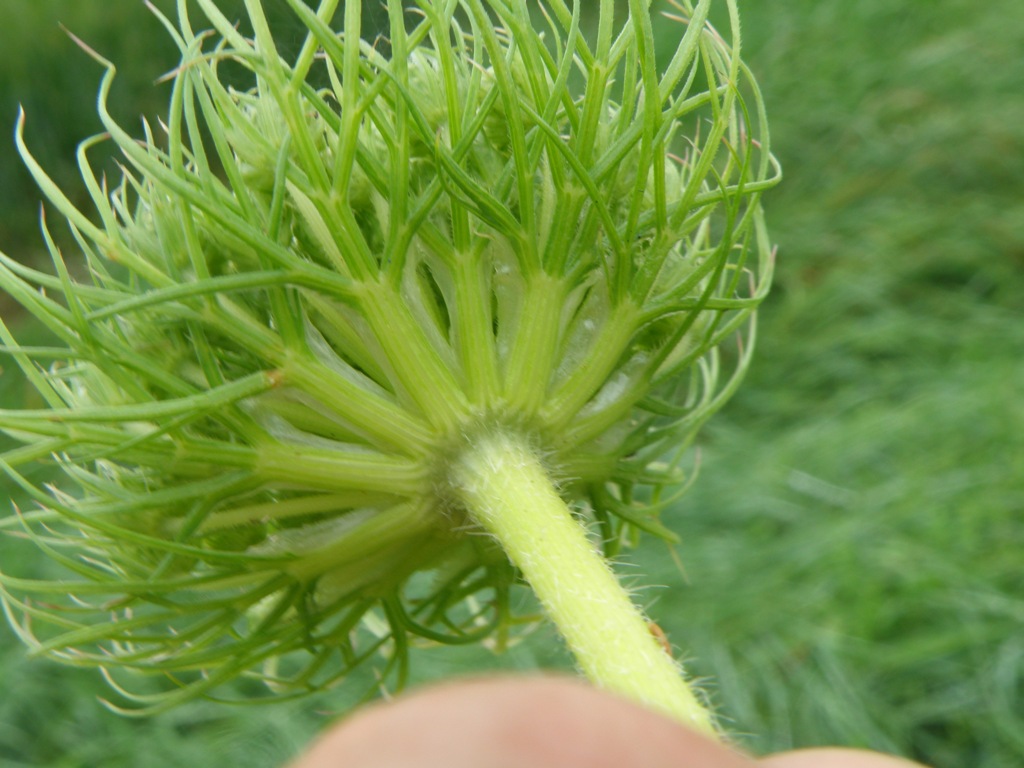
{"x": 312, "y": 301}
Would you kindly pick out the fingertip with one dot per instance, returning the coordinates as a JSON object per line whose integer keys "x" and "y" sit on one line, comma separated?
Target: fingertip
{"x": 835, "y": 758}
{"x": 537, "y": 722}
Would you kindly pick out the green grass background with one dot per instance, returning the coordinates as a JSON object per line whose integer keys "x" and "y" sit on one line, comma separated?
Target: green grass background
{"x": 853, "y": 552}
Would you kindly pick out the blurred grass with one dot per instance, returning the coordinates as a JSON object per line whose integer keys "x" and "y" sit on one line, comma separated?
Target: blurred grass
{"x": 854, "y": 548}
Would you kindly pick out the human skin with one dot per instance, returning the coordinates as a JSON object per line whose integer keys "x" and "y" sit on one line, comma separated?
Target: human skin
{"x": 541, "y": 722}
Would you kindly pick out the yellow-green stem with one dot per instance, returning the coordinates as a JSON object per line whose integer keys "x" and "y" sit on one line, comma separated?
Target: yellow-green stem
{"x": 507, "y": 490}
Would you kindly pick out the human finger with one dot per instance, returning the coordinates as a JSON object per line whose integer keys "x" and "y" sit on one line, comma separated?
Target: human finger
{"x": 835, "y": 758}
{"x": 542, "y": 722}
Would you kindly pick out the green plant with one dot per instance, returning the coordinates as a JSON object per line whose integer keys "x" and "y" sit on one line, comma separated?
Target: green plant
{"x": 346, "y": 364}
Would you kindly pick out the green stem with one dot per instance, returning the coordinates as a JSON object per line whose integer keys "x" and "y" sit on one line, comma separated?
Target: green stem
{"x": 506, "y": 489}
{"x": 417, "y": 364}
{"x": 474, "y": 323}
{"x": 603, "y": 355}
{"x": 528, "y": 369}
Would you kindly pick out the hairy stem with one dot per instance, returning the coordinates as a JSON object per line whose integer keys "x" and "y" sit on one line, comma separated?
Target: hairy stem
{"x": 506, "y": 489}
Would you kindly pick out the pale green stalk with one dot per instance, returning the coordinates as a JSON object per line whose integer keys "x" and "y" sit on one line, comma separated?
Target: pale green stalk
{"x": 511, "y": 495}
